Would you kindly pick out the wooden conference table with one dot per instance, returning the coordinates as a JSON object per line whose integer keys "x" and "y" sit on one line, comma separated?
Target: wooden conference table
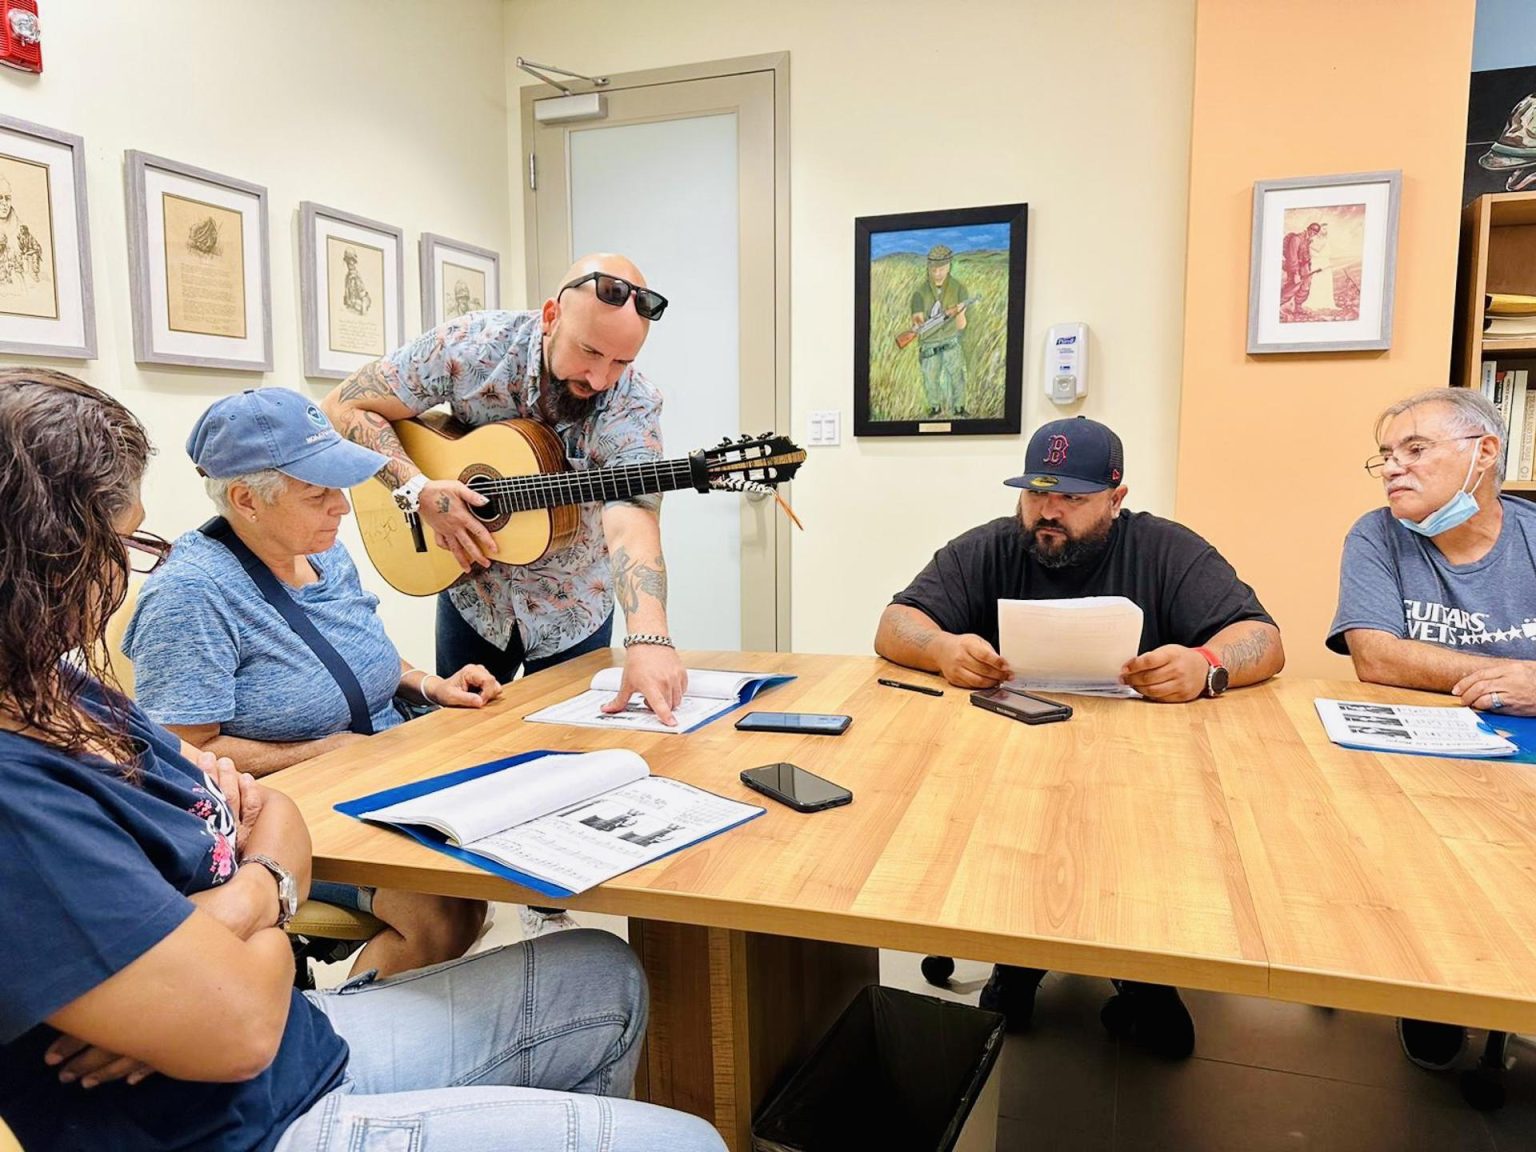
{"x": 1223, "y": 844}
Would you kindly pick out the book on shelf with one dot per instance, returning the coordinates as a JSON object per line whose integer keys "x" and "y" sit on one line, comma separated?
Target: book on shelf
{"x": 1509, "y": 304}
{"x": 1490, "y": 371}
{"x": 1514, "y": 424}
{"x": 1509, "y": 327}
{"x": 1526, "y": 445}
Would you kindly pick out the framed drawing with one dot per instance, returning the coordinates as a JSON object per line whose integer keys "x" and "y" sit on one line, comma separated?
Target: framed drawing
{"x": 350, "y": 273}
{"x": 46, "y": 303}
{"x": 456, "y": 278}
{"x": 938, "y": 338}
{"x": 1324, "y": 258}
{"x": 197, "y": 255}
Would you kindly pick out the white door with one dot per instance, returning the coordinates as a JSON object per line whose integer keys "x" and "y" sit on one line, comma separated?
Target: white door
{"x": 680, "y": 177}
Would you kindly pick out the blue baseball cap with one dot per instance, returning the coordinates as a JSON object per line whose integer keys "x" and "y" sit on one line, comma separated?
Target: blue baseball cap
{"x": 1075, "y": 456}
{"x": 277, "y": 428}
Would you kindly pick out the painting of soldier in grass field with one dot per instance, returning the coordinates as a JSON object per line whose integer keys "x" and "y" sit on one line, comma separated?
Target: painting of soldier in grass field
{"x": 939, "y": 311}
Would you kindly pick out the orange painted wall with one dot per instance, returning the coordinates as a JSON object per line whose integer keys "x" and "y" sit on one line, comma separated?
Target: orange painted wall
{"x": 1270, "y": 447}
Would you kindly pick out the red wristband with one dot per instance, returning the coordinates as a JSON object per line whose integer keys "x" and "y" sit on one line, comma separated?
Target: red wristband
{"x": 1210, "y": 658}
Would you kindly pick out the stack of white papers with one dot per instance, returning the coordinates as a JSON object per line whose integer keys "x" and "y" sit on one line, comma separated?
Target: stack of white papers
{"x": 710, "y": 694}
{"x": 1075, "y": 646}
{"x": 1408, "y": 728}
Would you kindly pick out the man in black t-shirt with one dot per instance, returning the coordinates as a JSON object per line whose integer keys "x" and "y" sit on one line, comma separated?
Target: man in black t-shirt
{"x": 1203, "y": 630}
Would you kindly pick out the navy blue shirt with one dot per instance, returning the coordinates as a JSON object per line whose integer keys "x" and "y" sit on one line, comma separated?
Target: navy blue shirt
{"x": 95, "y": 870}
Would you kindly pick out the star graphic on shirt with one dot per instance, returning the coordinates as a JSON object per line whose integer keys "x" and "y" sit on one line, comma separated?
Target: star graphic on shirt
{"x": 1468, "y": 638}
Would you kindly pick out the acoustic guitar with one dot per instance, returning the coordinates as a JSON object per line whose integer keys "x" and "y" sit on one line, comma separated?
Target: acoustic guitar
{"x": 533, "y": 493}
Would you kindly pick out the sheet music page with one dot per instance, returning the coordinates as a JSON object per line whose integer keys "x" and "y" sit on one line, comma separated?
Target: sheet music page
{"x": 1075, "y": 646}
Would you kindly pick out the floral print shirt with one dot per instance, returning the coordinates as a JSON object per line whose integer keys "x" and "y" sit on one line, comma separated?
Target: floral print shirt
{"x": 487, "y": 366}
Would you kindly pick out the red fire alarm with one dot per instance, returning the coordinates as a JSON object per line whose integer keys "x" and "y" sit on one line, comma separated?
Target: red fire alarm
{"x": 21, "y": 39}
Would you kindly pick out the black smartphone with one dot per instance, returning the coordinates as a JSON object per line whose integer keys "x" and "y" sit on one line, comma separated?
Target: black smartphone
{"x": 1022, "y": 706}
{"x": 801, "y": 790}
{"x": 814, "y": 723}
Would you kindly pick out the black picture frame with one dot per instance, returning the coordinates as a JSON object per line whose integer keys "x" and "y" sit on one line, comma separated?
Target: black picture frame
{"x": 894, "y": 394}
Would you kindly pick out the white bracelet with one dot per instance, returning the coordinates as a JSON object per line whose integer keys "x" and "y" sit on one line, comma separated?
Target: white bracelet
{"x": 425, "y": 695}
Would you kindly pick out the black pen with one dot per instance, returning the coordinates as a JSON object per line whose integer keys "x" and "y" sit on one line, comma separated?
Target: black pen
{"x": 911, "y": 687}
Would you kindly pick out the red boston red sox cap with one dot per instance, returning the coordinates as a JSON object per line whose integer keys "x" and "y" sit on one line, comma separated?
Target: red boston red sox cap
{"x": 1076, "y": 455}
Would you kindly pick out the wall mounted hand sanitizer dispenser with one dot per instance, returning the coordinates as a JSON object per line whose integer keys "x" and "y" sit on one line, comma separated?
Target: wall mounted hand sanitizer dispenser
{"x": 1066, "y": 362}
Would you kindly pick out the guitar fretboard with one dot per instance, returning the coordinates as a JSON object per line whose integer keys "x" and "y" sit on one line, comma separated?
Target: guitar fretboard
{"x": 525, "y": 493}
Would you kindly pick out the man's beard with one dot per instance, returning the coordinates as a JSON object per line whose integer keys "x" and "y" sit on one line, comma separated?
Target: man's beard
{"x": 1079, "y": 552}
{"x": 560, "y": 405}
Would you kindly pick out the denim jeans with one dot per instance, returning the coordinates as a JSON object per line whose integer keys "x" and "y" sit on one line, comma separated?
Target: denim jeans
{"x": 459, "y": 644}
{"x": 531, "y": 1046}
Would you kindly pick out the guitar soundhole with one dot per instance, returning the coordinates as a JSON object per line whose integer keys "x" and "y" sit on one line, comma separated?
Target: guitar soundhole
{"x": 484, "y": 480}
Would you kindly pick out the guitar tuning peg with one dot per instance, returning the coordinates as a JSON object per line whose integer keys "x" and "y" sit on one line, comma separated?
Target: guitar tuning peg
{"x": 725, "y": 442}
{"x": 743, "y": 439}
{"x": 765, "y": 436}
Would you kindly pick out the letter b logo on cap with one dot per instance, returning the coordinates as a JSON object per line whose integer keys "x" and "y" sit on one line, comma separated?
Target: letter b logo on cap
{"x": 1056, "y": 450}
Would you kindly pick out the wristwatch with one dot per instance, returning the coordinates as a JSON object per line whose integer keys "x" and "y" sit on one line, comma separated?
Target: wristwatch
{"x": 408, "y": 495}
{"x": 287, "y": 890}
{"x": 1217, "y": 677}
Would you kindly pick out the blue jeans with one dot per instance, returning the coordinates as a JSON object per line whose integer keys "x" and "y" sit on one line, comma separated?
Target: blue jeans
{"x": 531, "y": 1046}
{"x": 458, "y": 644}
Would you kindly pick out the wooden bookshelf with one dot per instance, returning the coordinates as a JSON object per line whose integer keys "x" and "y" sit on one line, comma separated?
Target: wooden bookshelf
{"x": 1498, "y": 254}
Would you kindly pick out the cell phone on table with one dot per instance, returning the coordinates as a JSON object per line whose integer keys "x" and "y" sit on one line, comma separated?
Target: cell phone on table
{"x": 1022, "y": 706}
{"x": 792, "y": 785}
{"x": 811, "y": 723}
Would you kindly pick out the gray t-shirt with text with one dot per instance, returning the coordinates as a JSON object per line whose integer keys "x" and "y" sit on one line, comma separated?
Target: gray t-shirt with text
{"x": 1396, "y": 581}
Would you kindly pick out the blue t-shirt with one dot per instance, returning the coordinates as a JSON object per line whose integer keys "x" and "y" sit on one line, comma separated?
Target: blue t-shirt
{"x": 95, "y": 871}
{"x": 1395, "y": 581}
{"x": 208, "y": 649}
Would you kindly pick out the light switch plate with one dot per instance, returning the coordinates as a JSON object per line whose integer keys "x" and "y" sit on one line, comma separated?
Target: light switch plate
{"x": 826, "y": 429}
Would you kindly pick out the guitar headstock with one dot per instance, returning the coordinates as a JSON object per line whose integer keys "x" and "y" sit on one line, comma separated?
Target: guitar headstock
{"x": 767, "y": 459}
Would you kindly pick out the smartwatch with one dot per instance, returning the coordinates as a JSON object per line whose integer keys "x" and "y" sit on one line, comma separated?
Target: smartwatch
{"x": 1217, "y": 677}
{"x": 287, "y": 890}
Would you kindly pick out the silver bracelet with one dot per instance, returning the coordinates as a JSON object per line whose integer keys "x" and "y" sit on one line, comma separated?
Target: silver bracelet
{"x": 649, "y": 638}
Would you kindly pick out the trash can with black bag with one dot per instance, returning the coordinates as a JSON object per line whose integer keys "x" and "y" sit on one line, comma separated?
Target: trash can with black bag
{"x": 898, "y": 1072}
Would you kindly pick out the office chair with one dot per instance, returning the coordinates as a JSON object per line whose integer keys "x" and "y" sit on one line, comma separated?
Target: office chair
{"x": 1483, "y": 1086}
{"x": 318, "y": 931}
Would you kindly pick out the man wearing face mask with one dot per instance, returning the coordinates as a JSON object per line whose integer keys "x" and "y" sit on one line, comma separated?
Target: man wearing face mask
{"x": 1435, "y": 589}
{"x": 1203, "y": 631}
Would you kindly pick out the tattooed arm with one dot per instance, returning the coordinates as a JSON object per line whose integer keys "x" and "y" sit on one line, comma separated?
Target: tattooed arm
{"x": 911, "y": 638}
{"x": 640, "y": 589}
{"x": 362, "y": 408}
{"x": 1250, "y": 649}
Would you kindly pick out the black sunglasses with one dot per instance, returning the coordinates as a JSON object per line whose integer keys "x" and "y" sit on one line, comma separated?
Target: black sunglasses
{"x": 616, "y": 291}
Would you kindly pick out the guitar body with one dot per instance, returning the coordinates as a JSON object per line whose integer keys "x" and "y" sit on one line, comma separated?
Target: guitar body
{"x": 445, "y": 449}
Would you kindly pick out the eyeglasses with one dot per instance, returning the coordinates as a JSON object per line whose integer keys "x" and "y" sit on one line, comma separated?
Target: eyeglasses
{"x": 146, "y": 551}
{"x": 616, "y": 291}
{"x": 1408, "y": 454}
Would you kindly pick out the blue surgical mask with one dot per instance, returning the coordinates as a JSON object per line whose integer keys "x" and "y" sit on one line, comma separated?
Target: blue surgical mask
{"x": 1453, "y": 513}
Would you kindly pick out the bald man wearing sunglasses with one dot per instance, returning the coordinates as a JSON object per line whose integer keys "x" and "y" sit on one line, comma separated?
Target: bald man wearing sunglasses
{"x": 569, "y": 366}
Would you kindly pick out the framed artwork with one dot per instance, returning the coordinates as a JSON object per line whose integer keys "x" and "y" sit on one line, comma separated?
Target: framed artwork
{"x": 350, "y": 273}
{"x": 1501, "y": 133}
{"x": 197, "y": 255}
{"x": 938, "y": 338}
{"x": 456, "y": 278}
{"x": 1323, "y": 263}
{"x": 46, "y": 303}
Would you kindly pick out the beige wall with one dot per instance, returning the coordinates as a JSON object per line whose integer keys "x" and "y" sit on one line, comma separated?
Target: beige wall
{"x": 1271, "y": 447}
{"x": 1080, "y": 109}
{"x": 383, "y": 108}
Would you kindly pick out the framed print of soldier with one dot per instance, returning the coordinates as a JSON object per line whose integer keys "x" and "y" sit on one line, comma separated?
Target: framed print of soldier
{"x": 939, "y": 322}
